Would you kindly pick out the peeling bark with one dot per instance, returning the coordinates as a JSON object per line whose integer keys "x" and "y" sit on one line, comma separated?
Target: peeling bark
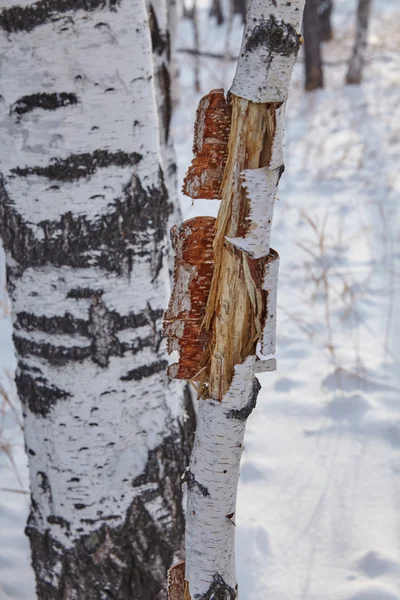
{"x": 84, "y": 209}
{"x": 193, "y": 245}
{"x": 210, "y": 147}
{"x": 236, "y": 310}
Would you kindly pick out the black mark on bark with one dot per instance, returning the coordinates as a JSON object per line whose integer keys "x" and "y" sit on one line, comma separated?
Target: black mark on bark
{"x": 44, "y": 101}
{"x": 37, "y": 393}
{"x": 78, "y": 166}
{"x": 25, "y": 18}
{"x": 218, "y": 590}
{"x": 245, "y": 412}
{"x": 55, "y": 355}
{"x": 112, "y": 241}
{"x": 145, "y": 371}
{"x": 166, "y": 108}
{"x": 276, "y": 36}
{"x": 189, "y": 478}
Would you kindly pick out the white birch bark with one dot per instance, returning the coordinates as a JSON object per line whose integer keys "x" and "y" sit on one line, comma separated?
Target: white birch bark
{"x": 83, "y": 218}
{"x": 356, "y": 64}
{"x": 268, "y": 52}
{"x": 271, "y": 40}
{"x": 212, "y": 480}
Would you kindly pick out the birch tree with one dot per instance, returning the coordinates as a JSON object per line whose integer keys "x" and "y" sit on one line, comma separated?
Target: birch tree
{"x": 222, "y": 313}
{"x": 356, "y": 64}
{"x": 83, "y": 217}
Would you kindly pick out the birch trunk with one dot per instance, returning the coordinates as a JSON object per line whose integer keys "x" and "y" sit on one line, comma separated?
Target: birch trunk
{"x": 312, "y": 47}
{"x": 356, "y": 64}
{"x": 83, "y": 218}
{"x": 222, "y": 312}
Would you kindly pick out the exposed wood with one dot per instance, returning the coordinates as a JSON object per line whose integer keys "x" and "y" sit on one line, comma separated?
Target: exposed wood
{"x": 210, "y": 147}
{"x": 193, "y": 245}
{"x": 176, "y": 582}
{"x": 236, "y": 305}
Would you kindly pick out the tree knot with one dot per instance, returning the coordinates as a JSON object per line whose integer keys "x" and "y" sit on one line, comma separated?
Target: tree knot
{"x": 277, "y": 36}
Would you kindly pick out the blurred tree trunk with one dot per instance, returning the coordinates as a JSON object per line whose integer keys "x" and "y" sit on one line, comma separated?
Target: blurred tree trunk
{"x": 216, "y": 11}
{"x": 312, "y": 46}
{"x": 356, "y": 64}
{"x": 83, "y": 217}
{"x": 325, "y": 8}
{"x": 239, "y": 8}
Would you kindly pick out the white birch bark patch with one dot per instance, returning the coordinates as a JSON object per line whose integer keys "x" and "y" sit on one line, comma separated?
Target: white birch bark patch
{"x": 270, "y": 285}
{"x": 260, "y": 186}
{"x": 269, "y": 48}
{"x": 211, "y": 482}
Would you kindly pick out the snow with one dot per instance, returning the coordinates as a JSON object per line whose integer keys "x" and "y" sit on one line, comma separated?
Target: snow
{"x": 318, "y": 512}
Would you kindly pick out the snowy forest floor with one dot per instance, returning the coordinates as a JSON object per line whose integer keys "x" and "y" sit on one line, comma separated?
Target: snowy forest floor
{"x": 319, "y": 500}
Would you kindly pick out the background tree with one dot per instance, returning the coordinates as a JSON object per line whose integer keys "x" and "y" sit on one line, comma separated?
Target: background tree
{"x": 312, "y": 46}
{"x": 356, "y": 64}
{"x": 83, "y": 217}
{"x": 325, "y": 8}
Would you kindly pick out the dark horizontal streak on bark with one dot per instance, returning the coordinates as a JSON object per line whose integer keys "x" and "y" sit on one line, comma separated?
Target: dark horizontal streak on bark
{"x": 245, "y": 412}
{"x": 84, "y": 293}
{"x": 25, "y": 18}
{"x": 43, "y": 101}
{"x": 61, "y": 355}
{"x": 55, "y": 355}
{"x": 78, "y": 166}
{"x": 68, "y": 324}
{"x": 111, "y": 242}
{"x": 145, "y": 371}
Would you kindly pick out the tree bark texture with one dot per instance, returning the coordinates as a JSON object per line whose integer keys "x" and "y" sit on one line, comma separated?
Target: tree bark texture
{"x": 312, "y": 46}
{"x": 83, "y": 216}
{"x": 356, "y": 64}
{"x": 222, "y": 313}
{"x": 325, "y": 8}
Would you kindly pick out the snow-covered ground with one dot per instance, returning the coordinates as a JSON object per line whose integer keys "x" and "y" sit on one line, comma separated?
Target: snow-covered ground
{"x": 319, "y": 503}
